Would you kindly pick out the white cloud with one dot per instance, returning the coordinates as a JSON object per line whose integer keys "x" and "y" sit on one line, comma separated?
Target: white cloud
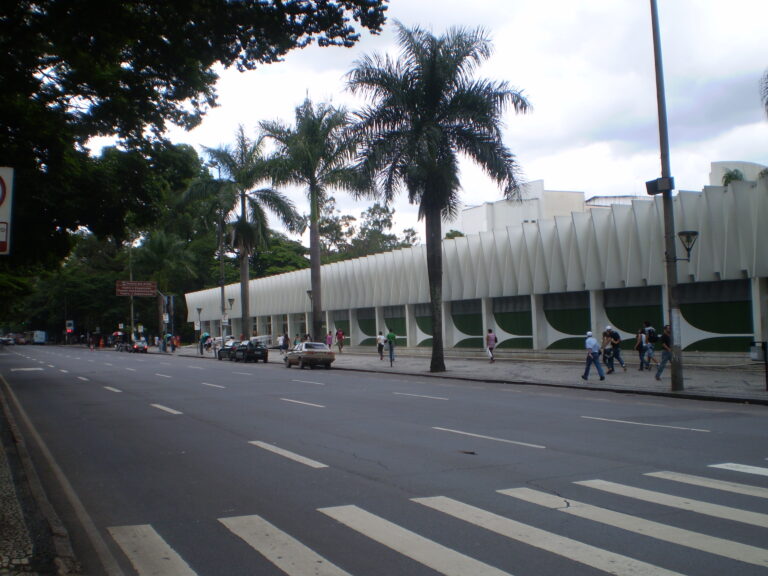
{"x": 586, "y": 66}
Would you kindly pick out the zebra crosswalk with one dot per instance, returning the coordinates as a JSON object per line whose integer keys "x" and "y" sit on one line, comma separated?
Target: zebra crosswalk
{"x": 151, "y": 555}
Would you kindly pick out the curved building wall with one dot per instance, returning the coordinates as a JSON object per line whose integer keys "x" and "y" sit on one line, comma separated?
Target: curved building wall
{"x": 542, "y": 285}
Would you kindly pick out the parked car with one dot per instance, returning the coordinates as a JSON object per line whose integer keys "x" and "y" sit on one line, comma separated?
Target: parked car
{"x": 228, "y": 351}
{"x": 139, "y": 346}
{"x": 249, "y": 351}
{"x": 310, "y": 354}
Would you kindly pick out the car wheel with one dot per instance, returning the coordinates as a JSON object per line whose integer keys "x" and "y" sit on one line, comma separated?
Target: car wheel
{"x": 301, "y": 363}
{"x": 287, "y": 363}
{"x": 266, "y": 359}
{"x": 328, "y": 366}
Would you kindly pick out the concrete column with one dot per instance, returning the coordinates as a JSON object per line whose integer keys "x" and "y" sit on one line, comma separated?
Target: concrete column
{"x": 759, "y": 308}
{"x": 448, "y": 331}
{"x": 598, "y": 319}
{"x": 411, "y": 326}
{"x": 486, "y": 309}
{"x": 354, "y": 328}
{"x": 539, "y": 323}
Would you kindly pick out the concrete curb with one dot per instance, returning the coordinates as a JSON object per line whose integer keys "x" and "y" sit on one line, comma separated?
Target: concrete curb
{"x": 63, "y": 558}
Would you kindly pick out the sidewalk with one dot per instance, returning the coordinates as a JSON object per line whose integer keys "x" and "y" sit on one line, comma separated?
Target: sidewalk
{"x": 736, "y": 380}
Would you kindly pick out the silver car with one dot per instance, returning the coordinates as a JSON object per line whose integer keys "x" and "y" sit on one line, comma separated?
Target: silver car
{"x": 310, "y": 354}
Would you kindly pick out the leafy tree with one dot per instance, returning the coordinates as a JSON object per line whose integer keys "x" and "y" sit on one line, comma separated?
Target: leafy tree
{"x": 75, "y": 69}
{"x": 283, "y": 255}
{"x": 316, "y": 154}
{"x": 336, "y": 232}
{"x": 764, "y": 91}
{"x": 427, "y": 108}
{"x": 453, "y": 234}
{"x": 245, "y": 166}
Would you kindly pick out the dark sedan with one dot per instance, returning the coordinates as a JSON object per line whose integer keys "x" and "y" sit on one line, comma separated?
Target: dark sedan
{"x": 249, "y": 351}
{"x": 228, "y": 351}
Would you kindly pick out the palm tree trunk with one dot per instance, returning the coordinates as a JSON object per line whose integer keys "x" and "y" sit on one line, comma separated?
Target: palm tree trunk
{"x": 244, "y": 277}
{"x": 433, "y": 229}
{"x": 316, "y": 299}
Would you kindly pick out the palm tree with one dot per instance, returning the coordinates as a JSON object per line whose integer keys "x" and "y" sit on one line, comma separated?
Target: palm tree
{"x": 316, "y": 154}
{"x": 764, "y": 91}
{"x": 243, "y": 167}
{"x": 734, "y": 175}
{"x": 425, "y": 109}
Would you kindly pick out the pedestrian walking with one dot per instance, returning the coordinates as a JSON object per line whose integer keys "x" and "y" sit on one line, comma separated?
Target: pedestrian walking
{"x": 280, "y": 344}
{"x": 666, "y": 350}
{"x": 329, "y": 339}
{"x": 340, "y": 340}
{"x": 641, "y": 345}
{"x": 615, "y": 343}
{"x": 286, "y": 343}
{"x": 606, "y": 350}
{"x": 490, "y": 343}
{"x": 391, "y": 338}
{"x": 381, "y": 340}
{"x": 593, "y": 357}
{"x": 651, "y": 341}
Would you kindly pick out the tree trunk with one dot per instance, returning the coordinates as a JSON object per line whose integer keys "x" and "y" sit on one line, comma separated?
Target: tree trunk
{"x": 433, "y": 229}
{"x": 244, "y": 278}
{"x": 316, "y": 299}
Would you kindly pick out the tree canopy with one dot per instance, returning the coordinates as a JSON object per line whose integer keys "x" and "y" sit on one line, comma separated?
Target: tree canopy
{"x": 75, "y": 69}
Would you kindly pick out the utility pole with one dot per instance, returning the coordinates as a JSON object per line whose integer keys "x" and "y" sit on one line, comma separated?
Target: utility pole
{"x": 665, "y": 185}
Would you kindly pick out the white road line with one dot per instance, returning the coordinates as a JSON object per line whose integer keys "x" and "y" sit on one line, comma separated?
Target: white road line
{"x": 243, "y": 373}
{"x": 309, "y": 382}
{"x": 107, "y": 364}
{"x": 83, "y": 378}
{"x": 741, "y": 468}
{"x": 645, "y": 424}
{"x": 572, "y": 549}
{"x": 166, "y": 409}
{"x": 284, "y": 551}
{"x": 657, "y": 530}
{"x": 303, "y": 403}
{"x": 716, "y": 510}
{"x": 736, "y": 488}
{"x": 288, "y": 454}
{"x": 419, "y": 396}
{"x": 64, "y": 371}
{"x": 489, "y": 438}
{"x": 148, "y": 552}
{"x": 51, "y": 366}
{"x": 427, "y": 552}
{"x": 131, "y": 369}
{"x": 195, "y": 367}
{"x": 112, "y": 389}
{"x": 212, "y": 385}
{"x": 26, "y": 369}
{"x": 163, "y": 375}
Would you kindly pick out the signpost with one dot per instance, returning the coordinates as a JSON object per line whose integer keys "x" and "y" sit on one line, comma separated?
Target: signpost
{"x": 6, "y": 200}
{"x": 135, "y": 288}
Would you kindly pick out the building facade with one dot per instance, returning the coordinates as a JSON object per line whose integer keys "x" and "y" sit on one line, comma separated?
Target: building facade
{"x": 540, "y": 285}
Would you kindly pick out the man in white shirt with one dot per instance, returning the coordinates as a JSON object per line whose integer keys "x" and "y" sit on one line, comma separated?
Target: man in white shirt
{"x": 593, "y": 357}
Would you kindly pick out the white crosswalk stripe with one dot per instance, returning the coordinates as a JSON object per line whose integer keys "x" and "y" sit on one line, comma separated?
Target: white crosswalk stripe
{"x": 284, "y": 551}
{"x": 715, "y": 510}
{"x": 746, "y": 489}
{"x": 572, "y": 549}
{"x": 742, "y": 468}
{"x": 425, "y": 551}
{"x": 149, "y": 554}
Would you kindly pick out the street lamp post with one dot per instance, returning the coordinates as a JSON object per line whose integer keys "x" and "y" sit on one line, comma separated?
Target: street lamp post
{"x": 200, "y": 334}
{"x": 665, "y": 185}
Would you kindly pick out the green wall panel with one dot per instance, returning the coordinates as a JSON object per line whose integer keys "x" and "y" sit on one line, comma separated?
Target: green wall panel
{"x": 515, "y": 322}
{"x": 470, "y": 343}
{"x": 425, "y": 324}
{"x": 719, "y": 317}
{"x": 367, "y": 326}
{"x": 575, "y": 321}
{"x": 721, "y": 344}
{"x": 368, "y": 342}
{"x": 630, "y": 318}
{"x": 519, "y": 343}
{"x": 567, "y": 344}
{"x": 427, "y": 343}
{"x": 470, "y": 324}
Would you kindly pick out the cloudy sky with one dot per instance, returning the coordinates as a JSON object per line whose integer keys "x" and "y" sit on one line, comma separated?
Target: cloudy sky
{"x": 587, "y": 68}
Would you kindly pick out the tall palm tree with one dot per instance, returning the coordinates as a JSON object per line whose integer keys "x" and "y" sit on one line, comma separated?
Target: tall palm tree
{"x": 764, "y": 91}
{"x": 244, "y": 166}
{"x": 426, "y": 108}
{"x": 317, "y": 154}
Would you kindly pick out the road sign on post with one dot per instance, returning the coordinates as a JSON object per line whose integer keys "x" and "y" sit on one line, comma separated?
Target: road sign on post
{"x": 6, "y": 200}
{"x": 135, "y": 288}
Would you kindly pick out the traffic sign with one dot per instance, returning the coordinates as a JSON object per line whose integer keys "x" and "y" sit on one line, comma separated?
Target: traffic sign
{"x": 135, "y": 288}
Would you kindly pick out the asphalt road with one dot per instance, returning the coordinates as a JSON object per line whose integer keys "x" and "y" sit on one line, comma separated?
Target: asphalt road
{"x": 177, "y": 466}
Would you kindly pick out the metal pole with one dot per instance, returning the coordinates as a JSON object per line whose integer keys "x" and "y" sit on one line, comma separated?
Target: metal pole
{"x": 221, "y": 274}
{"x": 669, "y": 215}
